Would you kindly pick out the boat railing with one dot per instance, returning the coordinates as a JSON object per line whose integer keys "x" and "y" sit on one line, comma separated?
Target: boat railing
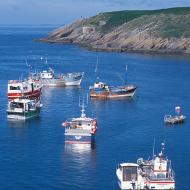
{"x": 173, "y": 174}
{"x": 77, "y": 130}
{"x": 15, "y": 109}
{"x": 160, "y": 177}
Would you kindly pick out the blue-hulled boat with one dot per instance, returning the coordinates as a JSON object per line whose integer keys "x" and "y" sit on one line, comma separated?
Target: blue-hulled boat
{"x": 80, "y": 130}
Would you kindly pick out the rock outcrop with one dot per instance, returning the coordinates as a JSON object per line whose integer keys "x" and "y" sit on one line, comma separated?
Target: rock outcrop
{"x": 159, "y": 31}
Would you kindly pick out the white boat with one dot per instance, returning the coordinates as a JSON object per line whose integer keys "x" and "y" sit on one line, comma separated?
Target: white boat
{"x": 175, "y": 119}
{"x": 146, "y": 174}
{"x": 22, "y": 109}
{"x": 49, "y": 78}
{"x": 169, "y": 119}
{"x": 81, "y": 130}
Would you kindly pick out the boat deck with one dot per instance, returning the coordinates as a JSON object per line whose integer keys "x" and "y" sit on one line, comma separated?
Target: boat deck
{"x": 77, "y": 132}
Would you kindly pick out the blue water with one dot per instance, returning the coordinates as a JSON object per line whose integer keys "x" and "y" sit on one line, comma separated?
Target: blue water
{"x": 33, "y": 154}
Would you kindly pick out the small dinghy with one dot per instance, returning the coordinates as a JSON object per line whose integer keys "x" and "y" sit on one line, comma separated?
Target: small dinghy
{"x": 175, "y": 119}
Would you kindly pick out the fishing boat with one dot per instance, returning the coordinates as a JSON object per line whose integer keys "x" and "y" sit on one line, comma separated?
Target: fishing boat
{"x": 81, "y": 130}
{"x": 28, "y": 88}
{"x": 101, "y": 90}
{"x": 23, "y": 109}
{"x": 175, "y": 119}
{"x": 147, "y": 174}
{"x": 49, "y": 78}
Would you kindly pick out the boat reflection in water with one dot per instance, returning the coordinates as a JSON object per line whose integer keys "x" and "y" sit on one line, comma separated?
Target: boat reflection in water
{"x": 49, "y": 94}
{"x": 17, "y": 124}
{"x": 23, "y": 123}
{"x": 80, "y": 160}
{"x": 80, "y": 148}
{"x": 82, "y": 155}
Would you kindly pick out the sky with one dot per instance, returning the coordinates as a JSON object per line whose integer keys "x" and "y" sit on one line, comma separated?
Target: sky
{"x": 58, "y": 12}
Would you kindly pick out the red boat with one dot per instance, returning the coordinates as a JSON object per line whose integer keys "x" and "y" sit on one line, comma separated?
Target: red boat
{"x": 29, "y": 89}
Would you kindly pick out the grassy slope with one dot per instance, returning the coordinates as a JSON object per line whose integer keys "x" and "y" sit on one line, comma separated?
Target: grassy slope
{"x": 174, "y": 22}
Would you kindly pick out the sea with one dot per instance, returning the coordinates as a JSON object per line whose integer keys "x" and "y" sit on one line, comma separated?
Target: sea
{"x": 33, "y": 155}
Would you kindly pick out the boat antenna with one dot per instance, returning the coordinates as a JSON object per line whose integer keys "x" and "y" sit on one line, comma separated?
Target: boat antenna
{"x": 83, "y": 115}
{"x": 46, "y": 61}
{"x": 28, "y": 65}
{"x": 125, "y": 77}
{"x": 123, "y": 81}
{"x": 96, "y": 68}
{"x": 79, "y": 100}
{"x": 41, "y": 58}
{"x": 83, "y": 110}
{"x": 153, "y": 148}
{"x": 87, "y": 99}
{"x": 26, "y": 62}
{"x": 126, "y": 68}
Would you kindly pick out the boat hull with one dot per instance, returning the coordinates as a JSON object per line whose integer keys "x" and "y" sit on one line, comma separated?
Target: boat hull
{"x": 161, "y": 185}
{"x": 112, "y": 94}
{"x": 31, "y": 95}
{"x": 11, "y": 115}
{"x": 66, "y": 80}
{"x": 174, "y": 119}
{"x": 79, "y": 138}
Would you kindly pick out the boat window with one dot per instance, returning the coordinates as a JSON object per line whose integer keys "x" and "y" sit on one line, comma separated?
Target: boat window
{"x": 20, "y": 105}
{"x": 153, "y": 177}
{"x": 16, "y": 105}
{"x": 161, "y": 176}
{"x": 14, "y": 87}
{"x": 29, "y": 106}
{"x": 129, "y": 173}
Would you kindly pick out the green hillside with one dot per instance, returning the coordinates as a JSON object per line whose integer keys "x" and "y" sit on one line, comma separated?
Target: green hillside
{"x": 175, "y": 21}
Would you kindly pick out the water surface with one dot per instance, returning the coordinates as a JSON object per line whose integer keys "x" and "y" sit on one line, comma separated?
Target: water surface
{"x": 33, "y": 154}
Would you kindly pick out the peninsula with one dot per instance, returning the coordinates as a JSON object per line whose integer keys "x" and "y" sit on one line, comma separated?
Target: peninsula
{"x": 158, "y": 31}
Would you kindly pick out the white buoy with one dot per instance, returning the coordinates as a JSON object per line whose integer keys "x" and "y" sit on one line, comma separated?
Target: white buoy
{"x": 178, "y": 109}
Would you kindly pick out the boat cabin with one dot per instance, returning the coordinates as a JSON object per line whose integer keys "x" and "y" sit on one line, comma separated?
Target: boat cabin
{"x": 46, "y": 75}
{"x": 20, "y": 105}
{"x": 14, "y": 85}
{"x": 85, "y": 124}
{"x": 21, "y": 87}
{"x": 99, "y": 85}
{"x": 129, "y": 171}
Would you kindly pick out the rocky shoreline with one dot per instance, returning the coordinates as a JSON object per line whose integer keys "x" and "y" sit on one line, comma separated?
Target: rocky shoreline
{"x": 145, "y": 34}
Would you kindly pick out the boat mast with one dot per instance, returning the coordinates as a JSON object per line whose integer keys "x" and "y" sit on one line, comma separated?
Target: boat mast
{"x": 96, "y": 69}
{"x": 123, "y": 79}
{"x": 126, "y": 74}
{"x": 83, "y": 115}
{"x": 153, "y": 148}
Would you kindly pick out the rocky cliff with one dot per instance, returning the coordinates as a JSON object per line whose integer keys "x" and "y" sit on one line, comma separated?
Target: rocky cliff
{"x": 160, "y": 31}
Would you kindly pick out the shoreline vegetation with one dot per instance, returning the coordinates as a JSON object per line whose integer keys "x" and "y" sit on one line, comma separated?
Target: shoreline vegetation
{"x": 164, "y": 31}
